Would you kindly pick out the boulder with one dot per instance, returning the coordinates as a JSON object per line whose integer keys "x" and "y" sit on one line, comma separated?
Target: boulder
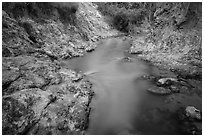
{"x": 166, "y": 81}
{"x": 193, "y": 112}
{"x": 159, "y": 90}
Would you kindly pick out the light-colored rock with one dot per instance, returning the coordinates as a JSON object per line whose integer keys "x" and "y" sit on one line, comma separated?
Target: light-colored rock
{"x": 167, "y": 81}
{"x": 193, "y": 112}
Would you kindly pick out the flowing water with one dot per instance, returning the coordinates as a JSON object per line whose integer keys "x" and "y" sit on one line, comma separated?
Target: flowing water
{"x": 121, "y": 104}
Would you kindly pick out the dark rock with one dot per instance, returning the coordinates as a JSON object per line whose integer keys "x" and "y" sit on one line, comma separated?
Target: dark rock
{"x": 72, "y": 89}
{"x": 174, "y": 89}
{"x": 190, "y": 128}
{"x": 184, "y": 89}
{"x": 9, "y": 76}
{"x": 77, "y": 77}
{"x": 63, "y": 125}
{"x": 195, "y": 83}
{"x": 6, "y": 52}
{"x": 159, "y": 90}
{"x": 184, "y": 83}
{"x": 190, "y": 73}
{"x": 21, "y": 109}
{"x": 52, "y": 98}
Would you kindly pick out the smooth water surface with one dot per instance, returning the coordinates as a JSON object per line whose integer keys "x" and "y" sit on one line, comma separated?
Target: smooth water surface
{"x": 121, "y": 104}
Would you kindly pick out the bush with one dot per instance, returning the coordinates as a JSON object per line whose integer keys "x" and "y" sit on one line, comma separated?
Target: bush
{"x": 42, "y": 10}
{"x": 121, "y": 22}
{"x": 124, "y": 16}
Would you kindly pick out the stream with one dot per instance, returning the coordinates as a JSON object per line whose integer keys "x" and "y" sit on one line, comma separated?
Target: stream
{"x": 121, "y": 104}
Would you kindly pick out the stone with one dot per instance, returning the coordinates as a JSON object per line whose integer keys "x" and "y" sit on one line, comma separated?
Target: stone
{"x": 137, "y": 48}
{"x": 126, "y": 59}
{"x": 174, "y": 89}
{"x": 20, "y": 110}
{"x": 166, "y": 81}
{"x": 193, "y": 112}
{"x": 6, "y": 52}
{"x": 159, "y": 90}
{"x": 184, "y": 89}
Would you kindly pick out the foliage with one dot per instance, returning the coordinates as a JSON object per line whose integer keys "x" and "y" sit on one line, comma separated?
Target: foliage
{"x": 124, "y": 15}
{"x": 42, "y": 10}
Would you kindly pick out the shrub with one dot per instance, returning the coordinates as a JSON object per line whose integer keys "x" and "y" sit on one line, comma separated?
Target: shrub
{"x": 124, "y": 15}
{"x": 121, "y": 22}
{"x": 42, "y": 10}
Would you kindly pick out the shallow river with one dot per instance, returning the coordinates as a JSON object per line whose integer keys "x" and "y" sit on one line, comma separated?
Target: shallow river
{"x": 121, "y": 104}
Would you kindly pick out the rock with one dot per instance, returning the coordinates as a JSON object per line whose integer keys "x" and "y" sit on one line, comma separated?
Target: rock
{"x": 166, "y": 81}
{"x": 27, "y": 109}
{"x": 22, "y": 109}
{"x": 126, "y": 59}
{"x": 174, "y": 89}
{"x": 94, "y": 38}
{"x": 159, "y": 90}
{"x": 193, "y": 113}
{"x": 77, "y": 77}
{"x": 137, "y": 48}
{"x": 25, "y": 72}
{"x": 185, "y": 90}
{"x": 6, "y": 52}
{"x": 190, "y": 73}
{"x": 148, "y": 77}
{"x": 61, "y": 109}
{"x": 72, "y": 89}
{"x": 195, "y": 83}
{"x": 9, "y": 76}
{"x": 190, "y": 128}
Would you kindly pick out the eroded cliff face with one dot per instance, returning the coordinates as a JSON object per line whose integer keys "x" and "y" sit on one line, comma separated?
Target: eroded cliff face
{"x": 174, "y": 39}
{"x": 39, "y": 95}
{"x": 58, "y": 37}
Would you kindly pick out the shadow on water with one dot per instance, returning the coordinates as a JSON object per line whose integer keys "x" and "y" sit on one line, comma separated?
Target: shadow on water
{"x": 121, "y": 104}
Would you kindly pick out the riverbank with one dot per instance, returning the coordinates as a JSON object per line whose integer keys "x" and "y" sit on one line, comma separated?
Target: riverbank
{"x": 177, "y": 74}
{"x": 39, "y": 96}
{"x": 170, "y": 95}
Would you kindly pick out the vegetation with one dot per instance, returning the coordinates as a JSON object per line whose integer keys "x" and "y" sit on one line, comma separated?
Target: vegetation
{"x": 42, "y": 10}
{"x": 123, "y": 16}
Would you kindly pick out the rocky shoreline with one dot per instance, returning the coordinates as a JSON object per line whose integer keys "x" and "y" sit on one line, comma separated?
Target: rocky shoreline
{"x": 183, "y": 96}
{"x": 39, "y": 96}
